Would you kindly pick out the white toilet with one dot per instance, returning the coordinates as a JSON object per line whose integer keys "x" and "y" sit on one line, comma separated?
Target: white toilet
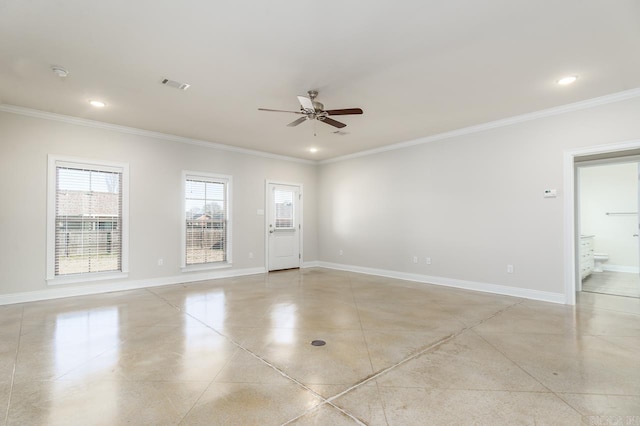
{"x": 599, "y": 259}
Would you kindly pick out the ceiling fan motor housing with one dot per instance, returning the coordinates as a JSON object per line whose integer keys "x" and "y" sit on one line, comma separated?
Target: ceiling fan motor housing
{"x": 316, "y": 105}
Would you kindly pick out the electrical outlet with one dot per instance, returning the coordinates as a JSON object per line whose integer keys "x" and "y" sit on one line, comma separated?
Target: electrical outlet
{"x": 160, "y": 262}
{"x": 250, "y": 255}
{"x": 428, "y": 261}
{"x": 509, "y": 269}
{"x": 340, "y": 252}
{"x": 415, "y": 259}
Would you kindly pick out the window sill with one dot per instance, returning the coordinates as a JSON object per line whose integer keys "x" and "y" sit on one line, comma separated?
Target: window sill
{"x": 86, "y": 278}
{"x": 205, "y": 267}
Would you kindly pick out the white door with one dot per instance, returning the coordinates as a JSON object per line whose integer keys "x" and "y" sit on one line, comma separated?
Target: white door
{"x": 284, "y": 226}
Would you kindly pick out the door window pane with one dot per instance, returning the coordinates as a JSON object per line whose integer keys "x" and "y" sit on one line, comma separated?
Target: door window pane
{"x": 284, "y": 208}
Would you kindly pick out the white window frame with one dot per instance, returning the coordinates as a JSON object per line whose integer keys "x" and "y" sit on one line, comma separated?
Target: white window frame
{"x": 53, "y": 162}
{"x": 187, "y": 174}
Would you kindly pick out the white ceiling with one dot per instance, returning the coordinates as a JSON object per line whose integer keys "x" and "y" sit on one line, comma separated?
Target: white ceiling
{"x": 417, "y": 68}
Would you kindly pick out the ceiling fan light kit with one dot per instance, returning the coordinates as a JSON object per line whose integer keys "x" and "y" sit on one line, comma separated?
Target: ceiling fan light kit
{"x": 314, "y": 110}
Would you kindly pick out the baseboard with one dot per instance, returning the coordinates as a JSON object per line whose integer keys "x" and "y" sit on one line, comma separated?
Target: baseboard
{"x": 60, "y": 292}
{"x": 524, "y": 293}
{"x": 621, "y": 268}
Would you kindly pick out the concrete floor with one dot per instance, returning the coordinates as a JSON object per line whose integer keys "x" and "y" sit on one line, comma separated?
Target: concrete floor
{"x": 237, "y": 351}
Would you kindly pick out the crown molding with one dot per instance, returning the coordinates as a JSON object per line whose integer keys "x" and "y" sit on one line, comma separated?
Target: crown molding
{"x": 29, "y": 112}
{"x": 550, "y": 112}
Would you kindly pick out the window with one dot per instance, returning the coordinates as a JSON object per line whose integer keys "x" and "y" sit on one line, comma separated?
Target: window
{"x": 87, "y": 229}
{"x": 206, "y": 226}
{"x": 284, "y": 208}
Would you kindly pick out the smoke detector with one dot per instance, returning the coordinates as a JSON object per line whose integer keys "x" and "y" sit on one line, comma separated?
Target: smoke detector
{"x": 175, "y": 84}
{"x": 59, "y": 71}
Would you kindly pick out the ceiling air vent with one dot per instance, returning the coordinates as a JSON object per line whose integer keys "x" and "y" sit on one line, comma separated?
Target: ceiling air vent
{"x": 175, "y": 84}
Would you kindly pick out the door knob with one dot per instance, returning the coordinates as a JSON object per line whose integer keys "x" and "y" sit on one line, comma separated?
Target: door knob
{"x": 635, "y": 235}
{"x": 271, "y": 231}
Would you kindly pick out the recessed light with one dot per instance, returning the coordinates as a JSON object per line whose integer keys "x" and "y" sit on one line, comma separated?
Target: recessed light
{"x": 313, "y": 150}
{"x": 97, "y": 104}
{"x": 567, "y": 80}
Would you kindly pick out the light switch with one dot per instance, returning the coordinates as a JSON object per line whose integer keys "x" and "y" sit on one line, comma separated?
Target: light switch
{"x": 260, "y": 212}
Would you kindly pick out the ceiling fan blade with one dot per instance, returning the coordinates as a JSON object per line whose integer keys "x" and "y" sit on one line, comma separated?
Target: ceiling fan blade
{"x": 279, "y": 110}
{"x": 334, "y": 123}
{"x": 298, "y": 121}
{"x": 306, "y": 103}
{"x": 346, "y": 111}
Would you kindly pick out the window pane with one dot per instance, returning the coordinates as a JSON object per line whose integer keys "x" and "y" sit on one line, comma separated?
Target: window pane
{"x": 105, "y": 182}
{"x": 215, "y": 191}
{"x": 195, "y": 190}
{"x": 88, "y": 221}
{"x": 73, "y": 180}
{"x": 284, "y": 208}
{"x": 206, "y": 221}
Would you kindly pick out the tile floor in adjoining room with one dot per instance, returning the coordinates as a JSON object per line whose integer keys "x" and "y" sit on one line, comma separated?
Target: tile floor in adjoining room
{"x": 616, "y": 283}
{"x": 237, "y": 352}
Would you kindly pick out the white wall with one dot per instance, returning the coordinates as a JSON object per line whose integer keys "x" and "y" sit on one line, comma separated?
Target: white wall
{"x": 155, "y": 197}
{"x": 472, "y": 203}
{"x": 611, "y": 188}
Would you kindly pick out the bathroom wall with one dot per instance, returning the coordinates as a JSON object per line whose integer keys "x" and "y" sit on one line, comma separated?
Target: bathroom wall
{"x": 611, "y": 188}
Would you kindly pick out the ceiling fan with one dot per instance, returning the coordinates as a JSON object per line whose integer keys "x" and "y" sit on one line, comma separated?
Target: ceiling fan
{"x": 314, "y": 110}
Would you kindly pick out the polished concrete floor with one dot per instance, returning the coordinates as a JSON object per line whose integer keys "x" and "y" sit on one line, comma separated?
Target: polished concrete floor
{"x": 616, "y": 283}
{"x": 237, "y": 351}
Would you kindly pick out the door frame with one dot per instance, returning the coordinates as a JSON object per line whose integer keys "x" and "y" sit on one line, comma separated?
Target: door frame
{"x": 571, "y": 232}
{"x": 266, "y": 220}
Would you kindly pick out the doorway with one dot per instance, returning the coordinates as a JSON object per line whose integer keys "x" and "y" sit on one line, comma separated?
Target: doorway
{"x": 283, "y": 225}
{"x": 607, "y": 213}
{"x": 572, "y": 281}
